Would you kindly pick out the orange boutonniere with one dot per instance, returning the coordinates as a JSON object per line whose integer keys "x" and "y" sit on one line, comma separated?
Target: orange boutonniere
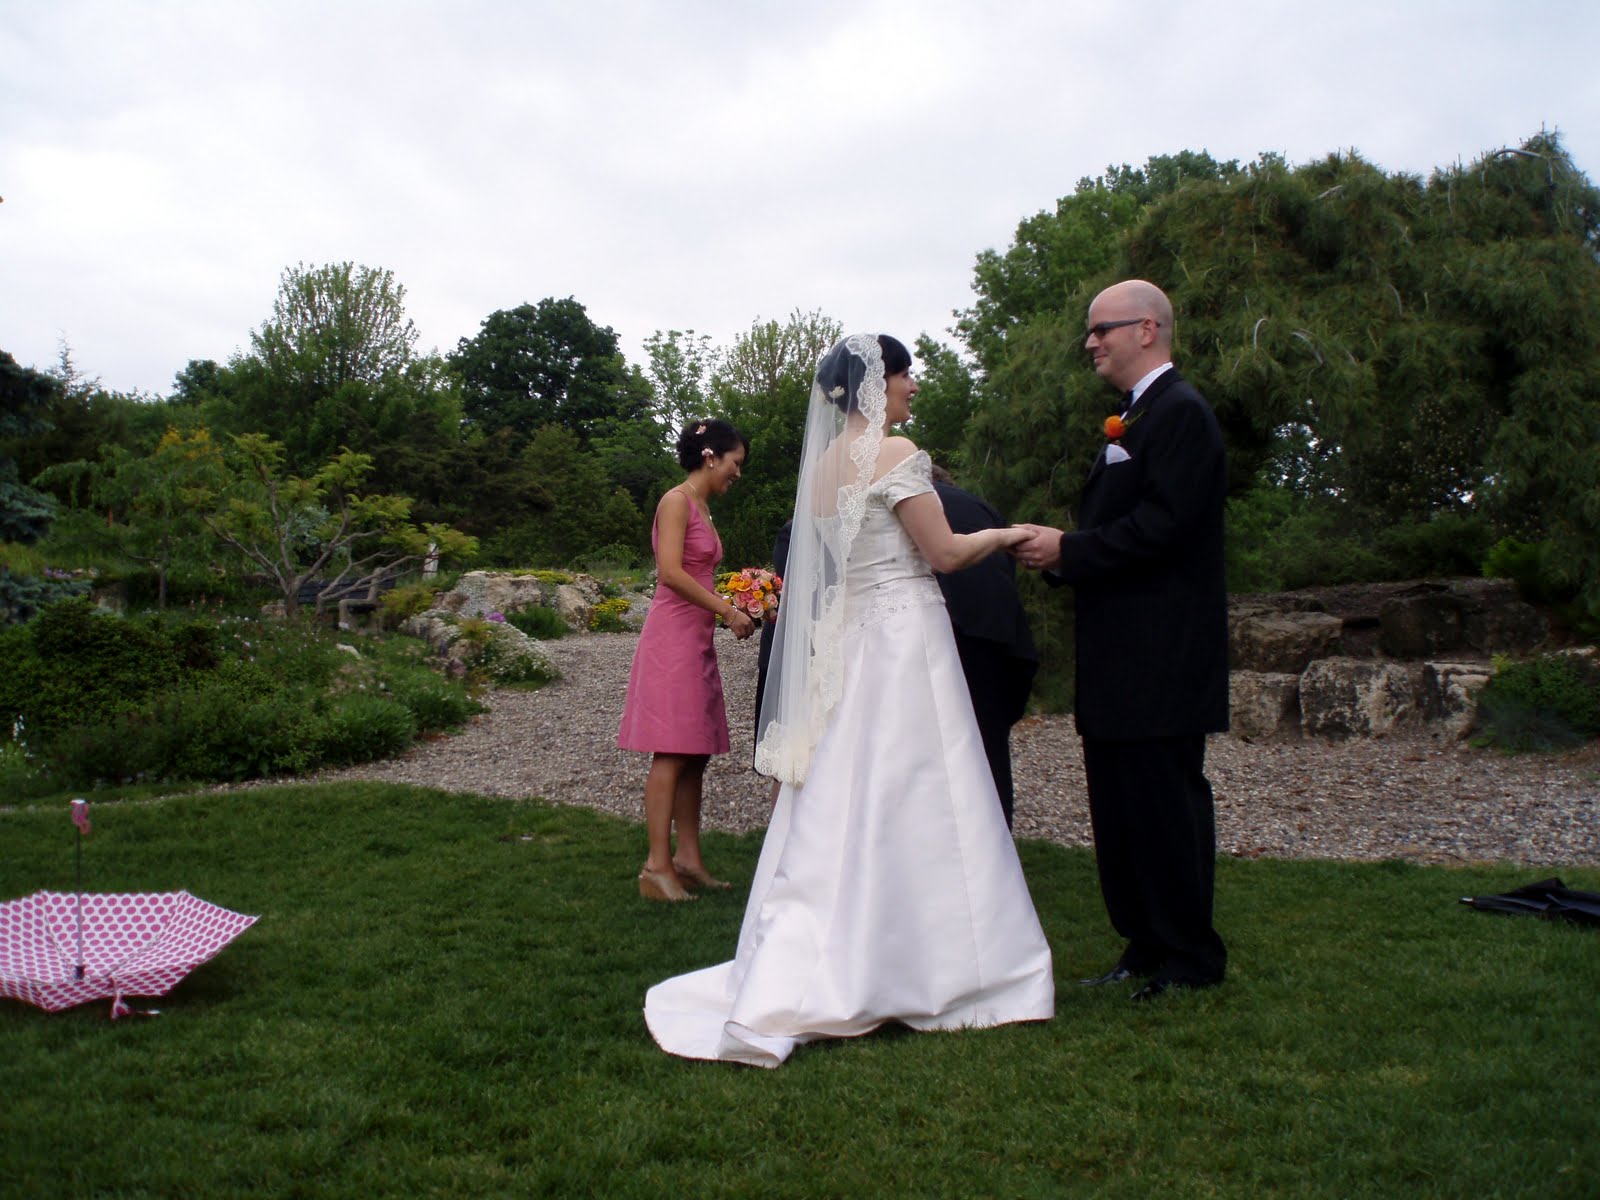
{"x": 1116, "y": 425}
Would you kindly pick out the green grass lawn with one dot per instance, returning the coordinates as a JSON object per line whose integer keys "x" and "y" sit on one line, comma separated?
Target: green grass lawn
{"x": 442, "y": 998}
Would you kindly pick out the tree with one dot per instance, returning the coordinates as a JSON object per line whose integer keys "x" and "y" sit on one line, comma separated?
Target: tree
{"x": 322, "y": 527}
{"x": 150, "y": 502}
{"x": 545, "y": 364}
{"x": 1395, "y": 352}
{"x": 334, "y": 367}
{"x": 334, "y": 325}
{"x": 25, "y": 512}
{"x": 946, "y": 398}
{"x": 682, "y": 365}
{"x": 763, "y": 384}
{"x": 581, "y": 515}
{"x": 1054, "y": 253}
{"x": 25, "y": 398}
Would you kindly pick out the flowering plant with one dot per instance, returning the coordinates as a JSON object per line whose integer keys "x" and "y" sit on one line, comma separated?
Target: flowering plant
{"x": 753, "y": 591}
{"x": 1116, "y": 425}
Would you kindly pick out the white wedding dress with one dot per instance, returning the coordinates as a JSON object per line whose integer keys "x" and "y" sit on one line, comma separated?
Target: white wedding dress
{"x": 888, "y": 887}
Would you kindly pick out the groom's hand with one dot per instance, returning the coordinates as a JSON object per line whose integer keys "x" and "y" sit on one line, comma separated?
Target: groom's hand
{"x": 1042, "y": 549}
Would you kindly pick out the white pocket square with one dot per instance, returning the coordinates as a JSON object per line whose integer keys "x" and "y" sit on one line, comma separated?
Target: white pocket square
{"x": 1116, "y": 454}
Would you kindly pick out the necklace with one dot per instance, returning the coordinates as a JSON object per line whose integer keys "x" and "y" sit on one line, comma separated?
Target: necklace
{"x": 704, "y": 507}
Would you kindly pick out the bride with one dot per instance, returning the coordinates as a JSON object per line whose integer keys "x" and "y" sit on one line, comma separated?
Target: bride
{"x": 888, "y": 887}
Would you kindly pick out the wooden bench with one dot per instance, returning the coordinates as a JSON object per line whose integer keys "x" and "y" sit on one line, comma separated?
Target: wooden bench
{"x": 359, "y": 596}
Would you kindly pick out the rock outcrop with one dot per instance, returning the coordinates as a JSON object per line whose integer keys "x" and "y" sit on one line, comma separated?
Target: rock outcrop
{"x": 1362, "y": 660}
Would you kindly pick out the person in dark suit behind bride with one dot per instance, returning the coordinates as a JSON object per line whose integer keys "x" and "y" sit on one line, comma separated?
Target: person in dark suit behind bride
{"x": 992, "y": 635}
{"x": 1152, "y": 645}
{"x": 996, "y": 646}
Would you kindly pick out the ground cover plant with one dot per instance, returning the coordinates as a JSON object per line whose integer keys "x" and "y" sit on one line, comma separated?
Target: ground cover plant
{"x": 94, "y": 699}
{"x": 1549, "y": 702}
{"x": 443, "y": 994}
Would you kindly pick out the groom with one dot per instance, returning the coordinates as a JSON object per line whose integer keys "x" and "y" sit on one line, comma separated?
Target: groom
{"x": 1152, "y": 645}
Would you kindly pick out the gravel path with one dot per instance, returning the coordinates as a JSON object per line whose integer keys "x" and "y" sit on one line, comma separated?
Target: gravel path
{"x": 1413, "y": 797}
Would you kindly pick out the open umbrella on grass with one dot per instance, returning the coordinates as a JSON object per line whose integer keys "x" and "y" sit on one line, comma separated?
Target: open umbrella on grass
{"x": 60, "y": 949}
{"x": 134, "y": 944}
{"x": 1546, "y": 898}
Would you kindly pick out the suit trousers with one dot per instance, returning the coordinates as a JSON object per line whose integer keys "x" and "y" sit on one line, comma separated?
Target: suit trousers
{"x": 1155, "y": 847}
{"x": 999, "y": 684}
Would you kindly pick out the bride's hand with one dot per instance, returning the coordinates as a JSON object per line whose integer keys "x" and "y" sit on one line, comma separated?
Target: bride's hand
{"x": 1014, "y": 536}
{"x": 1039, "y": 547}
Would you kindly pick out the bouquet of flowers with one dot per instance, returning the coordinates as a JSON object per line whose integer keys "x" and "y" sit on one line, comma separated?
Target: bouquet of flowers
{"x": 753, "y": 591}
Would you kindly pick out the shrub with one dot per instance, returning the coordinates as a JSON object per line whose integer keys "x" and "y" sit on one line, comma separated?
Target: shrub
{"x": 220, "y": 731}
{"x": 73, "y": 665}
{"x": 1545, "y": 703}
{"x": 541, "y": 623}
{"x": 126, "y": 700}
{"x": 433, "y": 702}
{"x": 361, "y": 727}
{"x": 296, "y": 653}
{"x": 475, "y": 631}
{"x": 23, "y": 596}
{"x": 198, "y": 646}
{"x": 509, "y": 659}
{"x": 405, "y": 601}
{"x": 607, "y": 616}
{"x": 120, "y": 748}
{"x": 610, "y": 560}
{"x": 20, "y": 776}
{"x": 1449, "y": 544}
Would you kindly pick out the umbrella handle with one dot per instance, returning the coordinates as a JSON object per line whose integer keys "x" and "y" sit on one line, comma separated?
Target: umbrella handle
{"x": 80, "y": 904}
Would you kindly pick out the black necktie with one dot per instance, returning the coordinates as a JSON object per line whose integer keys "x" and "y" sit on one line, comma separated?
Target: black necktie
{"x": 1127, "y": 401}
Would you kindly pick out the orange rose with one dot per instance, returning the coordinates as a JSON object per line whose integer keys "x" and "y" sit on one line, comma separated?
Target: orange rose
{"x": 1115, "y": 427}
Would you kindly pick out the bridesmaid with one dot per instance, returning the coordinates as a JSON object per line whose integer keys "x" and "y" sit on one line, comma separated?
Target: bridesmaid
{"x": 674, "y": 709}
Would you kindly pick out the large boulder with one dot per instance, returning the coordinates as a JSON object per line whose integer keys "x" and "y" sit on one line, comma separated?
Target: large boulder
{"x": 1273, "y": 642}
{"x": 1483, "y": 616}
{"x": 575, "y": 601}
{"x": 1449, "y": 694}
{"x": 1357, "y": 697}
{"x": 1263, "y": 704}
{"x": 1495, "y": 620}
{"x": 512, "y": 654}
{"x": 479, "y": 593}
{"x": 1423, "y": 622}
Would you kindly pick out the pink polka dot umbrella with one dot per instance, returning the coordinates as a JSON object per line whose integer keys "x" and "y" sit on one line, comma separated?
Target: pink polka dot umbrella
{"x": 138, "y": 944}
{"x": 60, "y": 949}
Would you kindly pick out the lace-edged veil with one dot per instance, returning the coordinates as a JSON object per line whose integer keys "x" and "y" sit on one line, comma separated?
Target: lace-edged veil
{"x": 845, "y": 422}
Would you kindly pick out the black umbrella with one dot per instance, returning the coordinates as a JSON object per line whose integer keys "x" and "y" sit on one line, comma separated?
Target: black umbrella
{"x": 1546, "y": 898}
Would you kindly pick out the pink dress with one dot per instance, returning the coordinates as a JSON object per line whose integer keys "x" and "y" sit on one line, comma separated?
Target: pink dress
{"x": 674, "y": 701}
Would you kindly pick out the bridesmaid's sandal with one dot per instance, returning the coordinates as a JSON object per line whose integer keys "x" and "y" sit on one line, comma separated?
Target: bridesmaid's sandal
{"x": 699, "y": 877}
{"x": 660, "y": 885}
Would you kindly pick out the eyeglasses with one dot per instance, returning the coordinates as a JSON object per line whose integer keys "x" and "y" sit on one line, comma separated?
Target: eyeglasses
{"x": 1105, "y": 327}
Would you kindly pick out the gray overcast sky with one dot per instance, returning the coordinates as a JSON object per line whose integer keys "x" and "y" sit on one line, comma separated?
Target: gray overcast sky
{"x": 677, "y": 164}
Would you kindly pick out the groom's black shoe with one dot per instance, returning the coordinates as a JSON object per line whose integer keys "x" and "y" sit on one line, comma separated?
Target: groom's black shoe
{"x": 1160, "y": 987}
{"x": 1117, "y": 974}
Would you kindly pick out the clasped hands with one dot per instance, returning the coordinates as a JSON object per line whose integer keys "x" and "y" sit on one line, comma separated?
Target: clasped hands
{"x": 1035, "y": 546}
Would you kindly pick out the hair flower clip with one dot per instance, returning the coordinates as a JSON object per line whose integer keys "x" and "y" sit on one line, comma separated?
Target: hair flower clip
{"x": 836, "y": 393}
{"x": 700, "y": 428}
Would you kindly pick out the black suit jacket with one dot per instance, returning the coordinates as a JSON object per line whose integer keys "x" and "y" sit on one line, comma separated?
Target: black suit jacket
{"x": 1146, "y": 563}
{"x": 982, "y": 599}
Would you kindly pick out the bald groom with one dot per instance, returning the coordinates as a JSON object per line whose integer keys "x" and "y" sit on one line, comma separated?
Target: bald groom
{"x": 1152, "y": 646}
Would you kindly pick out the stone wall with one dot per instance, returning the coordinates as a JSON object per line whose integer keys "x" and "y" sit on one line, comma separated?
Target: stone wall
{"x": 1363, "y": 660}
